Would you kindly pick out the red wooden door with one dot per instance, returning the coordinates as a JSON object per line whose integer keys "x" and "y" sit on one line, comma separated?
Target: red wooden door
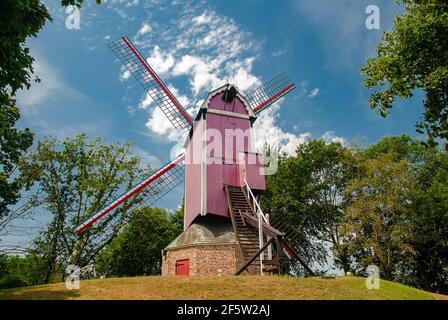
{"x": 183, "y": 267}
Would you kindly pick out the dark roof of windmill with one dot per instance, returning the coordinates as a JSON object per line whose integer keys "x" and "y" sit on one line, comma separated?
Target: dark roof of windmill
{"x": 206, "y": 230}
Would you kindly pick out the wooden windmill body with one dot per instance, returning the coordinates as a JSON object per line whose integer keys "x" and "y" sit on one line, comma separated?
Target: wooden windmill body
{"x": 225, "y": 230}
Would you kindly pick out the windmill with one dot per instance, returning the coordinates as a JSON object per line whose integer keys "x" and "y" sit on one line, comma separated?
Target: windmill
{"x": 225, "y": 229}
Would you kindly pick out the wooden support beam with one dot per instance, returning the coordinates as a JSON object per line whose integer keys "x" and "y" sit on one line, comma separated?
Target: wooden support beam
{"x": 248, "y": 263}
{"x": 268, "y": 230}
{"x": 308, "y": 269}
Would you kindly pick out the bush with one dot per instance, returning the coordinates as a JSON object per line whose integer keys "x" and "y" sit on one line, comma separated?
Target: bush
{"x": 12, "y": 281}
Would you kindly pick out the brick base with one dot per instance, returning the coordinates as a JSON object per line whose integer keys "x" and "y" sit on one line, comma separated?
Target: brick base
{"x": 211, "y": 248}
{"x": 204, "y": 260}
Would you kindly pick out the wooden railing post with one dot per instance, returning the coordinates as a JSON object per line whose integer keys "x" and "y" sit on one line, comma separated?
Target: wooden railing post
{"x": 260, "y": 240}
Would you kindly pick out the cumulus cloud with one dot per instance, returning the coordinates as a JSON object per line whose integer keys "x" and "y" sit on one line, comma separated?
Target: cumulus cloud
{"x": 330, "y": 137}
{"x": 159, "y": 124}
{"x": 209, "y": 48}
{"x": 159, "y": 61}
{"x": 267, "y": 131}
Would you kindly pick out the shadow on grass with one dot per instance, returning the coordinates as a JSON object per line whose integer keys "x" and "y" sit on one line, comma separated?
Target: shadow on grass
{"x": 38, "y": 294}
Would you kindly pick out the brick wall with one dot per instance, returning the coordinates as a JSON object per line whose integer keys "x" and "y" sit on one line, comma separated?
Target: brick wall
{"x": 204, "y": 259}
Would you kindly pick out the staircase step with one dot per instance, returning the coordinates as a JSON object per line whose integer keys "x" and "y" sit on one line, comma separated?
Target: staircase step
{"x": 270, "y": 268}
{"x": 273, "y": 262}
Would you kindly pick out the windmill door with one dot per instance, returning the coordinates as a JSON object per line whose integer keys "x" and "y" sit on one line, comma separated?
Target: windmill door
{"x": 183, "y": 267}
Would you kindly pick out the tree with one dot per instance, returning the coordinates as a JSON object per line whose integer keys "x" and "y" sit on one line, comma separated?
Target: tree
{"x": 411, "y": 57}
{"x": 430, "y": 224}
{"x": 19, "y": 20}
{"x": 72, "y": 180}
{"x": 19, "y": 271}
{"x": 378, "y": 227}
{"x": 137, "y": 249}
{"x": 307, "y": 189}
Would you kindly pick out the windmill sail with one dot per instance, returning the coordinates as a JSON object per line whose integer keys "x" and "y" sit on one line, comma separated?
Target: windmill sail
{"x": 143, "y": 194}
{"x": 268, "y": 93}
{"x": 152, "y": 83}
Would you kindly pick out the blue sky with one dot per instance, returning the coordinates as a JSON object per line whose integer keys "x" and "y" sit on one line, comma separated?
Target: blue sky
{"x": 196, "y": 46}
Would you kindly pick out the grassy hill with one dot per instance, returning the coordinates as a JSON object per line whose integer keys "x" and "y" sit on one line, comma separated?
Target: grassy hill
{"x": 243, "y": 287}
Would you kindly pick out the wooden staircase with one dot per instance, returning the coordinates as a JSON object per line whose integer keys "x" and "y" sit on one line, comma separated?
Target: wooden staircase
{"x": 244, "y": 222}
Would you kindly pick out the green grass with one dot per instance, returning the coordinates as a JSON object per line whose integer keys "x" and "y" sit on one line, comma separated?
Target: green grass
{"x": 223, "y": 288}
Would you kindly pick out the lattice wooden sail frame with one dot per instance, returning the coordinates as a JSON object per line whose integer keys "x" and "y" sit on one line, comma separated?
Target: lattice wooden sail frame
{"x": 151, "y": 82}
{"x": 144, "y": 194}
{"x": 269, "y": 92}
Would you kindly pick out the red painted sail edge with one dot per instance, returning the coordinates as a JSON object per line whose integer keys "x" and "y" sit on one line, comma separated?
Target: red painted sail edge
{"x": 127, "y": 195}
{"x": 156, "y": 78}
{"x": 274, "y": 98}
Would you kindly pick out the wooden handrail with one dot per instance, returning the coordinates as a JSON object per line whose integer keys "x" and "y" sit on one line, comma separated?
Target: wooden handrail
{"x": 255, "y": 201}
{"x": 232, "y": 217}
{"x": 270, "y": 231}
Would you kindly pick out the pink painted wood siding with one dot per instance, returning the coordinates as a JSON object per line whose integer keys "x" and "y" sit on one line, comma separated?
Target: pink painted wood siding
{"x": 223, "y": 159}
{"x": 251, "y": 168}
{"x": 235, "y": 106}
{"x": 227, "y": 136}
{"x": 224, "y": 152}
{"x": 216, "y": 198}
{"x": 193, "y": 159}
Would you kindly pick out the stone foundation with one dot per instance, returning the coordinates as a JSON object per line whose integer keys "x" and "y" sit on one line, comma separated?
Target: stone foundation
{"x": 210, "y": 246}
{"x": 204, "y": 260}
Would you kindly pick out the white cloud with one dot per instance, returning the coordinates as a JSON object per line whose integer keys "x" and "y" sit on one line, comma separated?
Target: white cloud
{"x": 330, "y": 137}
{"x": 183, "y": 100}
{"x": 124, "y": 74}
{"x": 314, "y": 93}
{"x": 145, "y": 28}
{"x": 278, "y": 53}
{"x": 146, "y": 101}
{"x": 160, "y": 62}
{"x": 207, "y": 48}
{"x": 267, "y": 131}
{"x": 200, "y": 71}
{"x": 204, "y": 18}
{"x": 159, "y": 124}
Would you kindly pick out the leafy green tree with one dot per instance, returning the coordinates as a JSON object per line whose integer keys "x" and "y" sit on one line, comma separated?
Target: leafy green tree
{"x": 404, "y": 147}
{"x": 430, "y": 224}
{"x": 413, "y": 56}
{"x": 137, "y": 249}
{"x": 19, "y": 271}
{"x": 307, "y": 190}
{"x": 72, "y": 180}
{"x": 19, "y": 20}
{"x": 378, "y": 227}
